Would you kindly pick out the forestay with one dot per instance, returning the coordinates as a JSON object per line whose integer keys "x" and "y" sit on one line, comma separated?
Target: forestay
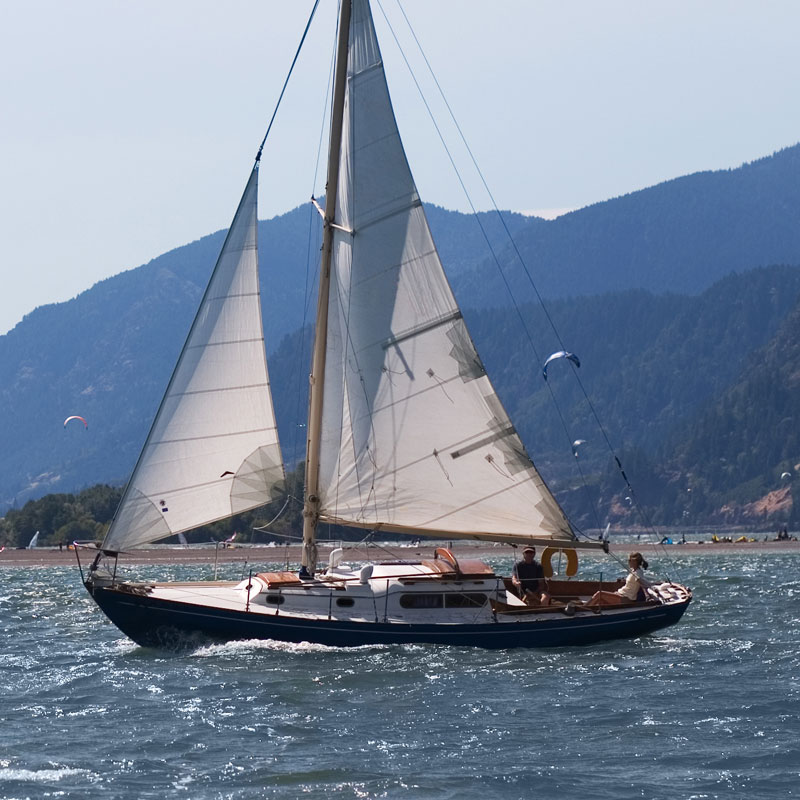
{"x": 213, "y": 448}
{"x": 414, "y": 436}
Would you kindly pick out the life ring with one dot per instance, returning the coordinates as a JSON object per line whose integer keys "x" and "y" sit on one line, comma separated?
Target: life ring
{"x": 572, "y": 560}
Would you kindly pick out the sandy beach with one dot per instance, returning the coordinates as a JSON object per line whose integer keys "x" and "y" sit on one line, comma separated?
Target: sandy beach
{"x": 53, "y": 557}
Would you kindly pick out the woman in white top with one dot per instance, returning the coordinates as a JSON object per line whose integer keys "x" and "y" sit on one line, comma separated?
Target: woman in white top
{"x": 634, "y": 587}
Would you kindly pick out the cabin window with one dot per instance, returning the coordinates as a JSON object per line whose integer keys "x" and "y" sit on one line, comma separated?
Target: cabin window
{"x": 464, "y": 600}
{"x": 275, "y": 599}
{"x": 421, "y": 600}
{"x": 345, "y": 601}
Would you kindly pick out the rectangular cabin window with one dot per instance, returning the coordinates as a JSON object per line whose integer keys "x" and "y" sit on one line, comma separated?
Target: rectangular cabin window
{"x": 421, "y": 600}
{"x": 464, "y": 600}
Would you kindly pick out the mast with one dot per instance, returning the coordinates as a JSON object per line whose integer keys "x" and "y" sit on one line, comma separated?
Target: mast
{"x": 316, "y": 380}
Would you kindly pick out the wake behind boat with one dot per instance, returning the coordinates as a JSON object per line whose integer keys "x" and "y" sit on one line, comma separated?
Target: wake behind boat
{"x": 405, "y": 434}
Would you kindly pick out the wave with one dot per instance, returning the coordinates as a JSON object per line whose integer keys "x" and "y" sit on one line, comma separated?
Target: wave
{"x": 40, "y": 775}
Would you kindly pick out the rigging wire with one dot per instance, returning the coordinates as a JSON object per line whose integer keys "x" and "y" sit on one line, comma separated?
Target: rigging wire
{"x": 286, "y": 82}
{"x": 489, "y": 245}
{"x": 483, "y": 231}
{"x": 283, "y": 508}
{"x": 257, "y": 161}
{"x": 642, "y": 512}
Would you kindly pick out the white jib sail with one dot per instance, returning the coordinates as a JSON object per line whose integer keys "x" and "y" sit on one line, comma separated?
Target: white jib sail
{"x": 414, "y": 436}
{"x": 213, "y": 448}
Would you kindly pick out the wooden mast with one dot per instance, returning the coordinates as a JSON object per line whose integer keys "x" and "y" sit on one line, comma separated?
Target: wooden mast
{"x": 317, "y": 378}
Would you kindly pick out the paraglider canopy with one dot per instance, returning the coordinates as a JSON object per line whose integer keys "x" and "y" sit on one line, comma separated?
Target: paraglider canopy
{"x": 576, "y": 444}
{"x": 560, "y": 354}
{"x": 75, "y": 416}
{"x": 786, "y": 475}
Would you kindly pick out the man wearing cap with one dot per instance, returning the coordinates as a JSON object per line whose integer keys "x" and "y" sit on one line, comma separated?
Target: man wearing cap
{"x": 528, "y": 577}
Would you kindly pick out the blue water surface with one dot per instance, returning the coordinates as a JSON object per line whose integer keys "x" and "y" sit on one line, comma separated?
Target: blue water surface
{"x": 706, "y": 709}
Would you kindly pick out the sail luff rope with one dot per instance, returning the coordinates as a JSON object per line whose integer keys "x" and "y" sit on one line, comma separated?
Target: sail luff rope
{"x": 540, "y": 299}
{"x": 286, "y": 82}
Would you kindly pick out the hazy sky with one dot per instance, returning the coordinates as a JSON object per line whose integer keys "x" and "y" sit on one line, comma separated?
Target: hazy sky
{"x": 129, "y": 128}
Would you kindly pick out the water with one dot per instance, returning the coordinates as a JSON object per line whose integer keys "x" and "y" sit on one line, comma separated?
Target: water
{"x": 706, "y": 709}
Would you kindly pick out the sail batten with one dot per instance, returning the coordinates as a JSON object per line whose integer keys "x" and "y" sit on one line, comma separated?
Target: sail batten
{"x": 213, "y": 448}
{"x": 213, "y": 391}
{"x": 414, "y": 436}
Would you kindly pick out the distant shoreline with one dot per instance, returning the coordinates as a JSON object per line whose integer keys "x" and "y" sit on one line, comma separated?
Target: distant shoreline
{"x": 53, "y": 557}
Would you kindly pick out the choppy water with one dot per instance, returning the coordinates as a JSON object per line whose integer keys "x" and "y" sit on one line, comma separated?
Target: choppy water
{"x": 707, "y": 709}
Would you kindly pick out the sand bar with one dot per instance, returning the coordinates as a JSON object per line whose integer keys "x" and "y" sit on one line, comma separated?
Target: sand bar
{"x": 53, "y": 557}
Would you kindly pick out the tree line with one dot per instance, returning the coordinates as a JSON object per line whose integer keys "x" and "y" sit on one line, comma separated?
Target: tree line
{"x": 61, "y": 519}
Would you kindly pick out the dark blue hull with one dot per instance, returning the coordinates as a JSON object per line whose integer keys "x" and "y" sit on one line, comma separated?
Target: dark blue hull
{"x": 153, "y": 622}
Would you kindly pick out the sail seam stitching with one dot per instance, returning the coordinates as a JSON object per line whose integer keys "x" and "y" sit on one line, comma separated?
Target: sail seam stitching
{"x": 411, "y": 396}
{"x": 397, "y": 265}
{"x": 229, "y": 296}
{"x": 416, "y": 203}
{"x": 363, "y": 73}
{"x": 243, "y": 249}
{"x": 226, "y": 342}
{"x": 182, "y": 489}
{"x": 424, "y": 457}
{"x": 373, "y": 142}
{"x": 212, "y": 436}
{"x": 222, "y": 389}
{"x": 509, "y": 431}
{"x": 428, "y": 326}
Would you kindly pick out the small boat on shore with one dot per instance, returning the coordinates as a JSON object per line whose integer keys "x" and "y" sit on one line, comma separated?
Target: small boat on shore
{"x": 405, "y": 434}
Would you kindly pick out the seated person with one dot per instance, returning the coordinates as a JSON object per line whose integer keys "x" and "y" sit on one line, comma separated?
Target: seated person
{"x": 528, "y": 578}
{"x": 632, "y": 591}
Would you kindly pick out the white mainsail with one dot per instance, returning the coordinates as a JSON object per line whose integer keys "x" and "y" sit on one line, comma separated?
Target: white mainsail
{"x": 414, "y": 436}
{"x": 213, "y": 449}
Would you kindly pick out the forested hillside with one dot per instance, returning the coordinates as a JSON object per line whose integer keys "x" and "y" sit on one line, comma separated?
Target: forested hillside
{"x": 743, "y": 445}
{"x": 649, "y": 363}
{"x": 698, "y": 396}
{"x": 108, "y": 353}
{"x": 653, "y": 360}
{"x": 61, "y": 519}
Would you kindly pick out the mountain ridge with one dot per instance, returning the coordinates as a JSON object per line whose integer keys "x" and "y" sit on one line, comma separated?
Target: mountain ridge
{"x": 108, "y": 353}
{"x": 680, "y": 235}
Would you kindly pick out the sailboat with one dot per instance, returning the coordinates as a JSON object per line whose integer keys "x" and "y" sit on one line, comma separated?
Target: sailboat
{"x": 405, "y": 434}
